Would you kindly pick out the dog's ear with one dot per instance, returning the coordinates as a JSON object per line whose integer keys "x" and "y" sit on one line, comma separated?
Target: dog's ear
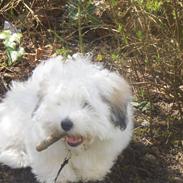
{"x": 117, "y": 94}
{"x": 118, "y": 103}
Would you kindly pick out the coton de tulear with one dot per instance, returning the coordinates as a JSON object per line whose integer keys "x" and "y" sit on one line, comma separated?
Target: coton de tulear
{"x": 69, "y": 109}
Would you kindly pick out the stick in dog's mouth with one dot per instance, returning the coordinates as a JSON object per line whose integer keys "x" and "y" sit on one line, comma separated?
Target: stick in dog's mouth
{"x": 49, "y": 141}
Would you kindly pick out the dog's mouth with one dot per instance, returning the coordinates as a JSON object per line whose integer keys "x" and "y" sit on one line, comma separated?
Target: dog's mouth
{"x": 71, "y": 140}
{"x": 74, "y": 141}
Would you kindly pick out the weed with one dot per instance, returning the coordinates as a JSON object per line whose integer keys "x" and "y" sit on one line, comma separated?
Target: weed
{"x": 11, "y": 43}
{"x": 63, "y": 51}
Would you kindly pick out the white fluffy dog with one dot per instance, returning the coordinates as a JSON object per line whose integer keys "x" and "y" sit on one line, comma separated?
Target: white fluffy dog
{"x": 90, "y": 105}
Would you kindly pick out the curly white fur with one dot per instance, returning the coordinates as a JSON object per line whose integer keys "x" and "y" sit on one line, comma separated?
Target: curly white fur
{"x": 95, "y": 100}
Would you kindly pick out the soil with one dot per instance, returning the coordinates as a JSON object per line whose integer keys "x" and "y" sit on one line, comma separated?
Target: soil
{"x": 150, "y": 158}
{"x": 137, "y": 164}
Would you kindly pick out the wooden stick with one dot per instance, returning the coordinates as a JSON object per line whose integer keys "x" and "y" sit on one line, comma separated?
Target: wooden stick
{"x": 49, "y": 141}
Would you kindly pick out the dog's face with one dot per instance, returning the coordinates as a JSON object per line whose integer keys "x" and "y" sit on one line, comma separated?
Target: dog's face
{"x": 87, "y": 109}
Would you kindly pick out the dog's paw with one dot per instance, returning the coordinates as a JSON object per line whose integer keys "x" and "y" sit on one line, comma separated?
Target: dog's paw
{"x": 14, "y": 159}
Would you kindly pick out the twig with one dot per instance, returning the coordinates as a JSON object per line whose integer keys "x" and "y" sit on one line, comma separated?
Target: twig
{"x": 80, "y": 29}
{"x": 49, "y": 141}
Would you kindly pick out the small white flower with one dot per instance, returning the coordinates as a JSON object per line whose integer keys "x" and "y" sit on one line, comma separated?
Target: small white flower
{"x": 9, "y": 43}
{"x": 15, "y": 37}
{"x": 16, "y": 54}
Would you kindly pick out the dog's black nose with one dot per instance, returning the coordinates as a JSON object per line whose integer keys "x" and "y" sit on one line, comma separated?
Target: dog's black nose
{"x": 66, "y": 124}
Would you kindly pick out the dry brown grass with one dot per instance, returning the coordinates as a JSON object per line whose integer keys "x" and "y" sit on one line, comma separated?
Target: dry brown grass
{"x": 144, "y": 39}
{"x": 141, "y": 39}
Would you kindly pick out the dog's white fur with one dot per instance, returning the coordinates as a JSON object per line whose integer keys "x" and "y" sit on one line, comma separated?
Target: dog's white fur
{"x": 59, "y": 89}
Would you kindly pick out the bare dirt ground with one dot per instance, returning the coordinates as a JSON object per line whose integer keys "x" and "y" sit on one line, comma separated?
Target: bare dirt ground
{"x": 150, "y": 158}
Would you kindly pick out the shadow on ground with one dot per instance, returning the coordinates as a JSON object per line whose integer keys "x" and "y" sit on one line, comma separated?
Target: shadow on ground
{"x": 137, "y": 164}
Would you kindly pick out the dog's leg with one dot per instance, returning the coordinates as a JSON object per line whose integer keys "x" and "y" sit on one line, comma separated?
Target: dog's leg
{"x": 12, "y": 149}
{"x": 14, "y": 158}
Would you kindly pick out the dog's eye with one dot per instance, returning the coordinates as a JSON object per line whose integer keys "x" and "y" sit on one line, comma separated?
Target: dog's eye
{"x": 86, "y": 104}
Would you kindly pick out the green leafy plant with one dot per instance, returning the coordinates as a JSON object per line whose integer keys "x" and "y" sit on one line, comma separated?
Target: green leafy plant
{"x": 115, "y": 56}
{"x": 143, "y": 105}
{"x": 86, "y": 10}
{"x": 80, "y": 14}
{"x": 63, "y": 51}
{"x": 150, "y": 5}
{"x": 100, "y": 57}
{"x": 11, "y": 42}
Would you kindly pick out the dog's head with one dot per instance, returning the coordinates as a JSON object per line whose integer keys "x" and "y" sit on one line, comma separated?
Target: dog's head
{"x": 83, "y": 100}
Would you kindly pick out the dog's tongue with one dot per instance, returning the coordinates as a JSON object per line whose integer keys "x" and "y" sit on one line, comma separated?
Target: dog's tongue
{"x": 74, "y": 140}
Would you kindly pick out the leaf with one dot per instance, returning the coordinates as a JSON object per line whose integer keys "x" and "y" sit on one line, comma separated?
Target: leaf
{"x": 5, "y": 34}
{"x": 99, "y": 57}
{"x": 114, "y": 2}
{"x": 139, "y": 35}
